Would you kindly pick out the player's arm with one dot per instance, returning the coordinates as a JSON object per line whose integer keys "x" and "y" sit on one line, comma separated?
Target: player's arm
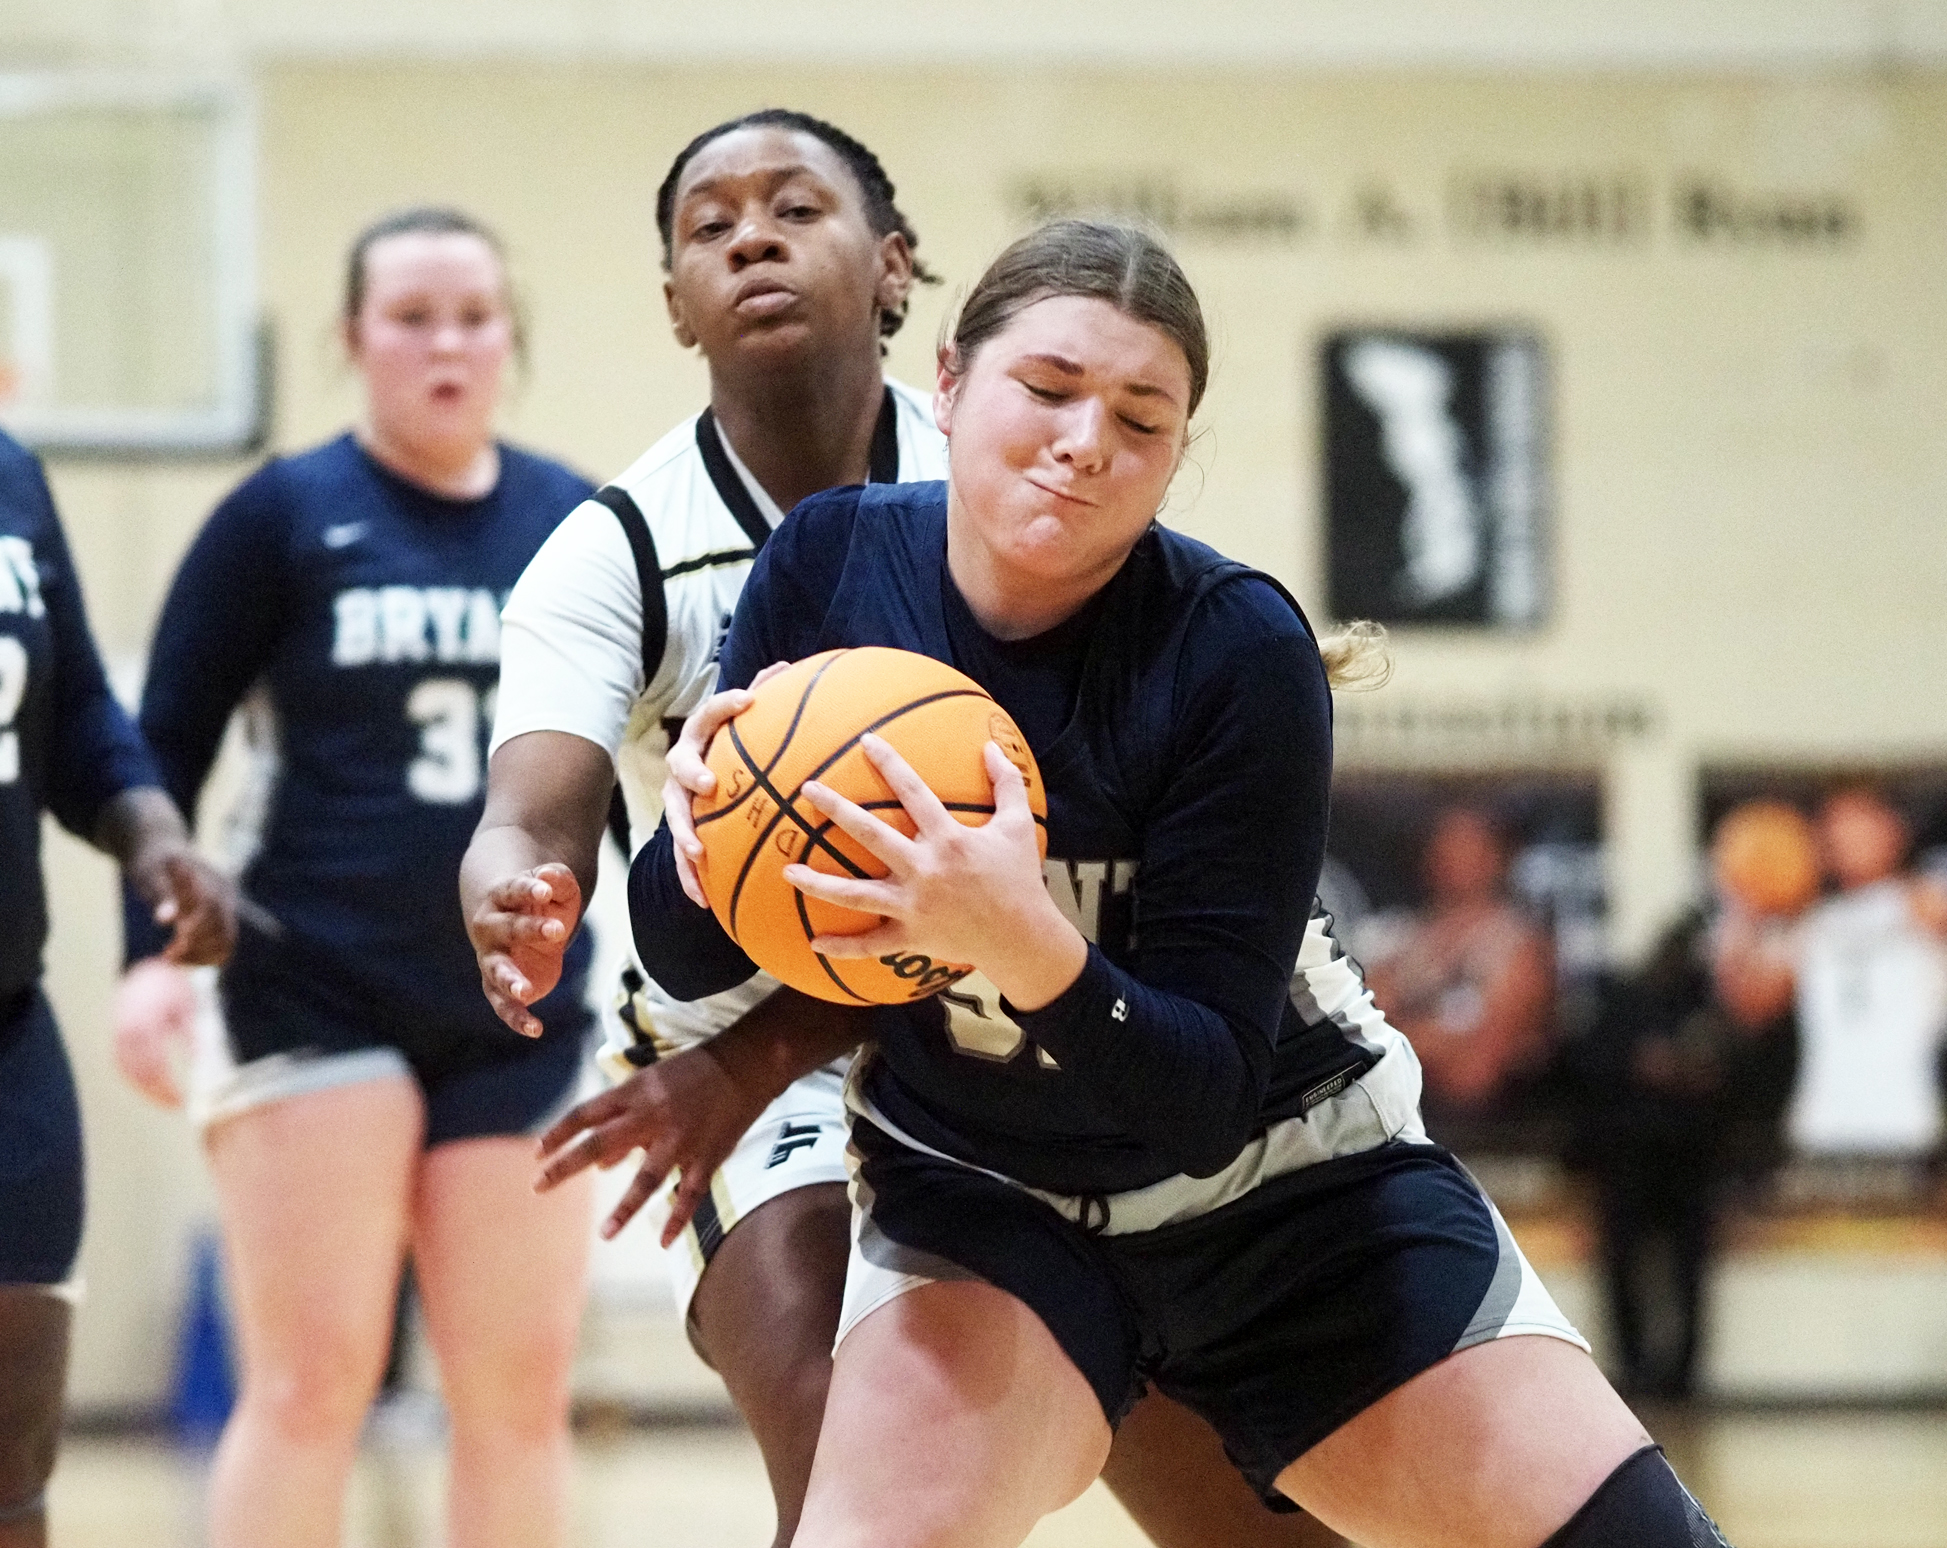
{"x": 532, "y": 863}
{"x": 686, "y": 1112}
{"x": 1179, "y": 1042}
{"x": 570, "y": 671}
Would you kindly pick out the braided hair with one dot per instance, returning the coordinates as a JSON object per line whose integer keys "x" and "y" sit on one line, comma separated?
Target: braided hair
{"x": 884, "y": 216}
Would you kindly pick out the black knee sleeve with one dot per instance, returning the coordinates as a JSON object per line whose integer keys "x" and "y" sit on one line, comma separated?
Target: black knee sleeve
{"x": 1640, "y": 1505}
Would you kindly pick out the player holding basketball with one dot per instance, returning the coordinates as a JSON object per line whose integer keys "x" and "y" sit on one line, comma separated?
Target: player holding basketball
{"x": 68, "y": 748}
{"x": 1176, "y": 1175}
{"x": 788, "y": 264}
{"x": 367, "y": 1103}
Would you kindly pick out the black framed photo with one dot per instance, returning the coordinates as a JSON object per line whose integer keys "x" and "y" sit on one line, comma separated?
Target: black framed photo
{"x": 1437, "y": 476}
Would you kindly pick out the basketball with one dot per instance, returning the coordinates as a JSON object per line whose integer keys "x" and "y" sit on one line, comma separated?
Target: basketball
{"x": 1766, "y": 856}
{"x": 805, "y": 725}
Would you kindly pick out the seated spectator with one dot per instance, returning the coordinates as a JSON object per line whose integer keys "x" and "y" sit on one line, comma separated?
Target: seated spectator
{"x": 1871, "y": 992}
{"x": 1471, "y": 981}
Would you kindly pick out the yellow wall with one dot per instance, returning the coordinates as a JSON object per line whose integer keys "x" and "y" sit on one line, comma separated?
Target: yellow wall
{"x": 1749, "y": 483}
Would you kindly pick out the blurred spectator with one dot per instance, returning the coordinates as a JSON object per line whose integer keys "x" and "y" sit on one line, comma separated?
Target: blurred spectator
{"x": 1682, "y": 1050}
{"x": 1872, "y": 991}
{"x": 1470, "y": 980}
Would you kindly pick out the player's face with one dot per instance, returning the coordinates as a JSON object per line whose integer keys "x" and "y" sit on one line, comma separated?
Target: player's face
{"x": 1064, "y": 432}
{"x": 1864, "y": 840}
{"x": 771, "y": 253}
{"x": 432, "y": 338}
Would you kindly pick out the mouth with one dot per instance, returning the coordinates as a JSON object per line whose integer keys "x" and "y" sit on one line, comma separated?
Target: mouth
{"x": 1061, "y": 494}
{"x": 447, "y": 392}
{"x": 764, "y": 298}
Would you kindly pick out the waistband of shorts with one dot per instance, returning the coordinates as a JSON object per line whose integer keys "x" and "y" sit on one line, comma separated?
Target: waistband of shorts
{"x": 1379, "y": 1108}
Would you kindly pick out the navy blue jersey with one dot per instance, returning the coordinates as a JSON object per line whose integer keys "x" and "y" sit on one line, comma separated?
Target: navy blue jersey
{"x": 1182, "y": 723}
{"x": 66, "y": 746}
{"x": 364, "y": 613}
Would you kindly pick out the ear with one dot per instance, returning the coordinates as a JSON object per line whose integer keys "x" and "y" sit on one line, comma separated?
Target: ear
{"x": 946, "y": 388}
{"x": 678, "y": 321}
{"x": 895, "y": 272}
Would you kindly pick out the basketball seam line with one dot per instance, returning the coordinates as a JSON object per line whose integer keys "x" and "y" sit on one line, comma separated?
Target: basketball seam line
{"x": 785, "y": 808}
{"x": 791, "y": 730}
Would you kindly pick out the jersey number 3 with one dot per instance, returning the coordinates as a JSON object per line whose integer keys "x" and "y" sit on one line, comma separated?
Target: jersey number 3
{"x": 13, "y": 688}
{"x": 454, "y": 718}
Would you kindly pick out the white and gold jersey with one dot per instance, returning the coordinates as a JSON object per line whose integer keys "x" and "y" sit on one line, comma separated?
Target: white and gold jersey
{"x": 574, "y": 656}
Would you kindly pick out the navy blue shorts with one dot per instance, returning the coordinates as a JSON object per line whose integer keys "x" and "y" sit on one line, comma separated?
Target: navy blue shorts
{"x": 1277, "y": 1317}
{"x": 40, "y": 1148}
{"x": 284, "y": 1040}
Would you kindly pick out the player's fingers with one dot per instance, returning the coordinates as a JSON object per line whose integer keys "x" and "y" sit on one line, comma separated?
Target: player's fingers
{"x": 864, "y": 894}
{"x": 516, "y": 1015}
{"x": 914, "y": 794}
{"x": 521, "y": 893}
{"x": 583, "y": 1116}
{"x": 888, "y": 939}
{"x": 769, "y": 672}
{"x": 642, "y": 1188}
{"x": 892, "y": 848}
{"x": 692, "y": 1188}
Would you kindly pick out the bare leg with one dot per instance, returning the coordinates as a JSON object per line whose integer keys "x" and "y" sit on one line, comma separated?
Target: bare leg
{"x": 33, "y": 1372}
{"x": 1495, "y": 1447}
{"x": 766, "y": 1312}
{"x": 313, "y": 1192}
{"x": 502, "y": 1272}
{"x": 954, "y": 1421}
{"x": 1168, "y": 1469}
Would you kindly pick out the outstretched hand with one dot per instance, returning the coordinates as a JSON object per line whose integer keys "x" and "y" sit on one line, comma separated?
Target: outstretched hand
{"x": 520, "y": 934}
{"x": 155, "y": 1019}
{"x": 193, "y": 897}
{"x": 689, "y": 773}
{"x": 685, "y": 1113}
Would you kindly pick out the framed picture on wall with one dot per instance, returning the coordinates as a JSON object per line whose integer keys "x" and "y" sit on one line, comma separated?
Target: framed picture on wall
{"x": 1436, "y": 476}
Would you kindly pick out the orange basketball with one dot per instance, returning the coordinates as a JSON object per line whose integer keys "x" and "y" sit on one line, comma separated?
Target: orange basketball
{"x": 805, "y": 725}
{"x": 1766, "y": 855}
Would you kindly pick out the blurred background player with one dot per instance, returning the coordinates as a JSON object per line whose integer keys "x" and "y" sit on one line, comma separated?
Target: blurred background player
{"x": 789, "y": 263}
{"x": 1685, "y": 1073}
{"x": 366, "y": 1103}
{"x": 1872, "y": 991}
{"x": 66, "y": 748}
{"x": 1471, "y": 981}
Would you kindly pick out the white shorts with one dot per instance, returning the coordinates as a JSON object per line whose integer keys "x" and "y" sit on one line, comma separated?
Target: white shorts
{"x": 799, "y": 1141}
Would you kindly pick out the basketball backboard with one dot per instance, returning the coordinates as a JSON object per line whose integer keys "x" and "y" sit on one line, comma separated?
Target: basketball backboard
{"x": 128, "y": 313}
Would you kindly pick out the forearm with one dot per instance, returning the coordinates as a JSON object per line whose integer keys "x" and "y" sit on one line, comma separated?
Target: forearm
{"x": 1181, "y": 1076}
{"x": 783, "y": 1039}
{"x": 547, "y": 798}
{"x": 681, "y": 946}
{"x": 135, "y": 826}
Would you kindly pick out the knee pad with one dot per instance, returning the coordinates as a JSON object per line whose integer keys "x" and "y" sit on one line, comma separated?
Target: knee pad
{"x": 1640, "y": 1505}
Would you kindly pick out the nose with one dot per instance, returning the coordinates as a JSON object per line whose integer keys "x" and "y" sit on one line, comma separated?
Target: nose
{"x": 1082, "y": 439}
{"x": 757, "y": 240}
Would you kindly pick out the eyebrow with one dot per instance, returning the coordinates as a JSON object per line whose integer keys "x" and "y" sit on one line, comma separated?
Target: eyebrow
{"x": 775, "y": 176}
{"x": 1069, "y": 367}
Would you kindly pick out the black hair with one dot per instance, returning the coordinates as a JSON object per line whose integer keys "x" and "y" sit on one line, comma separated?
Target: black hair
{"x": 881, "y": 213}
{"x": 434, "y": 220}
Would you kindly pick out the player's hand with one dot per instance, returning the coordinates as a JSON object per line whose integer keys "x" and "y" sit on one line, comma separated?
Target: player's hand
{"x": 689, "y": 773}
{"x": 684, "y": 1113}
{"x": 190, "y": 894}
{"x": 955, "y": 893}
{"x": 520, "y": 934}
{"x": 155, "y": 1018}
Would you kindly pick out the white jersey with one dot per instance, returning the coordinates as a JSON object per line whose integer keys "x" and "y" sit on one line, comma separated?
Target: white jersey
{"x": 571, "y": 634}
{"x": 1872, "y": 1008}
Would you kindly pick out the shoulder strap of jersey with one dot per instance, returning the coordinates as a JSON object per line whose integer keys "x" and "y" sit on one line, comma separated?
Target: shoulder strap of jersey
{"x": 882, "y": 467}
{"x": 730, "y": 488}
{"x": 648, "y": 574}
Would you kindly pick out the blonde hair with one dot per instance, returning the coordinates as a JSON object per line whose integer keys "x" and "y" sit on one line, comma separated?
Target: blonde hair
{"x": 1358, "y": 658}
